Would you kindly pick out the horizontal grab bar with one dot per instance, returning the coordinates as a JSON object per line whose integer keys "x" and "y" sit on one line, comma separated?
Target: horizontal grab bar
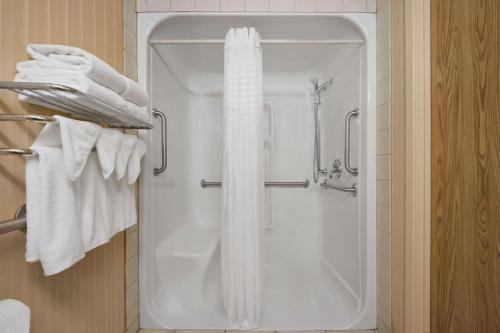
{"x": 304, "y": 184}
{"x": 353, "y": 189}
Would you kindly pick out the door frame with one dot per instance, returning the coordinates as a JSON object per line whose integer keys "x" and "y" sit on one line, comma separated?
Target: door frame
{"x": 411, "y": 166}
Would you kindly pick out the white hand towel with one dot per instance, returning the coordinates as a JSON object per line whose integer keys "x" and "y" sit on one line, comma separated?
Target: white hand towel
{"x": 107, "y": 146}
{"x": 14, "y": 316}
{"x": 69, "y": 57}
{"x": 78, "y": 138}
{"x": 126, "y": 146}
{"x": 134, "y": 163}
{"x": 83, "y": 84}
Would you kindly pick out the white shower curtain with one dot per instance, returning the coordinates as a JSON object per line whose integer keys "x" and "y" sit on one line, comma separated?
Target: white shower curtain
{"x": 242, "y": 229}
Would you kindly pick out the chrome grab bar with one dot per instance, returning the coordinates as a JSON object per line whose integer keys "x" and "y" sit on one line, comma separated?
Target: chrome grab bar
{"x": 17, "y": 223}
{"x": 304, "y": 184}
{"x": 347, "y": 149}
{"x": 159, "y": 114}
{"x": 353, "y": 189}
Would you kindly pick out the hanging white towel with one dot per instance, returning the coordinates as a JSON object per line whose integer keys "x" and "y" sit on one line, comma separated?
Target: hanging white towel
{"x": 14, "y": 316}
{"x": 83, "y": 84}
{"x": 126, "y": 147}
{"x": 242, "y": 230}
{"x": 77, "y": 139}
{"x": 107, "y": 146}
{"x": 134, "y": 163}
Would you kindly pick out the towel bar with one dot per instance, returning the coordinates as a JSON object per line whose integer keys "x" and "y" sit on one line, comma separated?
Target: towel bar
{"x": 37, "y": 118}
{"x": 17, "y": 223}
{"x": 16, "y": 151}
{"x": 304, "y": 184}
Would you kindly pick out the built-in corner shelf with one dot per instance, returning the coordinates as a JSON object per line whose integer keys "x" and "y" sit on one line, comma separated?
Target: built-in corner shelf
{"x": 78, "y": 104}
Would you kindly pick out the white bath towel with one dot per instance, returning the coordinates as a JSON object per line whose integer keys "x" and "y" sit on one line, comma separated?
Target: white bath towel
{"x": 77, "y": 139}
{"x": 74, "y": 58}
{"x": 124, "y": 86}
{"x": 126, "y": 147}
{"x": 14, "y": 317}
{"x": 134, "y": 163}
{"x": 107, "y": 146}
{"x": 242, "y": 227}
{"x": 83, "y": 84}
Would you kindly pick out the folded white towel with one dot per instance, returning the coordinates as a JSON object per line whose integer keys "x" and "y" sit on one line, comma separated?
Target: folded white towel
{"x": 77, "y": 138}
{"x": 123, "y": 156}
{"x": 134, "y": 163}
{"x": 107, "y": 148}
{"x": 69, "y": 57}
{"x": 124, "y": 86}
{"x": 83, "y": 84}
{"x": 14, "y": 316}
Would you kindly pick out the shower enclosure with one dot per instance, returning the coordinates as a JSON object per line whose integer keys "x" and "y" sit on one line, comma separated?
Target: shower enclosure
{"x": 319, "y": 270}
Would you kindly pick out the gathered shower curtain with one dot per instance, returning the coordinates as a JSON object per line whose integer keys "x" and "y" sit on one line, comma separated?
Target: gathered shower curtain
{"x": 242, "y": 228}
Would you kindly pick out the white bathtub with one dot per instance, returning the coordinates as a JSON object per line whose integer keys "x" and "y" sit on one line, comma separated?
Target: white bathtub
{"x": 320, "y": 244}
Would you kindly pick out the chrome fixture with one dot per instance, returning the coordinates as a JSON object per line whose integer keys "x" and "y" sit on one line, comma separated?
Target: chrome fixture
{"x": 353, "y": 189}
{"x": 304, "y": 184}
{"x": 76, "y": 103}
{"x": 161, "y": 115}
{"x": 16, "y": 151}
{"x": 262, "y": 41}
{"x": 17, "y": 223}
{"x": 347, "y": 150}
{"x": 336, "y": 170}
{"x": 318, "y": 88}
{"x": 37, "y": 118}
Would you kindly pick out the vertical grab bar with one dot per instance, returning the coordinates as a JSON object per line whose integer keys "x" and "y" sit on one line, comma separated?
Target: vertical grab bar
{"x": 159, "y": 114}
{"x": 347, "y": 149}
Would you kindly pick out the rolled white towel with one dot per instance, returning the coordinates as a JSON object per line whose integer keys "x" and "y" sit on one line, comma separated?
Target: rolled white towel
{"x": 14, "y": 316}
{"x": 83, "y": 84}
{"x": 135, "y": 94}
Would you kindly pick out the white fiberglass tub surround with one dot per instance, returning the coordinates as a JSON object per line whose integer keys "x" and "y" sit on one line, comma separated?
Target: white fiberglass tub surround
{"x": 320, "y": 243}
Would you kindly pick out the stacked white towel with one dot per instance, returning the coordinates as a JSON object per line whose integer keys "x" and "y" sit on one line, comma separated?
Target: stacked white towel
{"x": 73, "y": 205}
{"x": 76, "y": 68}
{"x": 14, "y": 316}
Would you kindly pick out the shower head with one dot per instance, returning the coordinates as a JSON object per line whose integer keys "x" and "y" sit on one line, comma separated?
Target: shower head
{"x": 320, "y": 87}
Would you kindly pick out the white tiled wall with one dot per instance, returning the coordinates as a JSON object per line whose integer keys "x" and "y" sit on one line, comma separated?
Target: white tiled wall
{"x": 258, "y": 5}
{"x": 383, "y": 166}
{"x": 382, "y": 7}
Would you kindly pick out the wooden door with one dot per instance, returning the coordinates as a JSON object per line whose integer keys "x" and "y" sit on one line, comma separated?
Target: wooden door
{"x": 90, "y": 296}
{"x": 465, "y": 241}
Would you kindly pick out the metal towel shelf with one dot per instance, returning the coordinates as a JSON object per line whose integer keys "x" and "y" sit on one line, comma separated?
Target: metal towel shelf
{"x": 69, "y": 100}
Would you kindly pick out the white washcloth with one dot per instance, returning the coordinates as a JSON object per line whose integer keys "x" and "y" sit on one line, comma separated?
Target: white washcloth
{"x": 74, "y": 58}
{"x": 14, "y": 316}
{"x": 107, "y": 148}
{"x": 242, "y": 225}
{"x": 77, "y": 139}
{"x": 134, "y": 163}
{"x": 126, "y": 147}
{"x": 83, "y": 84}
